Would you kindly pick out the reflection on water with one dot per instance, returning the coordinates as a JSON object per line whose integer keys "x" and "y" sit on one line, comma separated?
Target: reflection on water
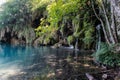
{"x": 45, "y": 63}
{"x": 14, "y": 58}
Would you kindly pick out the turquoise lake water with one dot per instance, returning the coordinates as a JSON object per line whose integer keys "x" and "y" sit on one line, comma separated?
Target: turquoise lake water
{"x": 27, "y": 62}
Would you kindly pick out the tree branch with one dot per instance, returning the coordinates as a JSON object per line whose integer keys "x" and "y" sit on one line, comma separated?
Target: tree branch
{"x": 102, "y": 23}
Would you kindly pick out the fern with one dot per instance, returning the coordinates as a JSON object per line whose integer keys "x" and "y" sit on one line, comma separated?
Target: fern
{"x": 106, "y": 56}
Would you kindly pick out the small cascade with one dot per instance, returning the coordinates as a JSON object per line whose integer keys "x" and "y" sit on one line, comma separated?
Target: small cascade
{"x": 76, "y": 44}
{"x": 76, "y": 49}
{"x": 98, "y": 42}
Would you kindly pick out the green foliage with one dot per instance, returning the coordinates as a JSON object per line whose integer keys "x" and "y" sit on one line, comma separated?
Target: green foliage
{"x": 15, "y": 12}
{"x": 58, "y": 9}
{"x": 55, "y": 13}
{"x": 39, "y": 4}
{"x": 46, "y": 32}
{"x": 39, "y": 8}
{"x": 76, "y": 26}
{"x": 70, "y": 39}
{"x": 89, "y": 30}
{"x": 60, "y": 15}
{"x": 107, "y": 56}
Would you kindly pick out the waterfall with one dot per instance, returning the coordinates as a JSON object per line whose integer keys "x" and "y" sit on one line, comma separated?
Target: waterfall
{"x": 98, "y": 42}
{"x": 76, "y": 44}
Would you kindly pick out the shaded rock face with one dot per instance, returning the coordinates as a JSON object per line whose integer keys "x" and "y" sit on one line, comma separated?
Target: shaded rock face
{"x": 8, "y": 35}
{"x": 61, "y": 43}
{"x": 17, "y": 41}
{"x": 5, "y": 35}
{"x": 14, "y": 41}
{"x": 36, "y": 42}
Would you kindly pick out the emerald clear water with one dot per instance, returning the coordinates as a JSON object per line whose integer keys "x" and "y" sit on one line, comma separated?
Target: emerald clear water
{"x": 14, "y": 59}
{"x": 45, "y": 63}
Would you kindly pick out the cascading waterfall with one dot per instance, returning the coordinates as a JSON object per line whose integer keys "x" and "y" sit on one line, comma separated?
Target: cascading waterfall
{"x": 76, "y": 44}
{"x": 76, "y": 49}
{"x": 98, "y": 41}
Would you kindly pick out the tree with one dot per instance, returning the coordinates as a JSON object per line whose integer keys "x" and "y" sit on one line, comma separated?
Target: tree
{"x": 107, "y": 19}
{"x": 72, "y": 18}
{"x": 15, "y": 13}
{"x": 16, "y": 17}
{"x": 107, "y": 12}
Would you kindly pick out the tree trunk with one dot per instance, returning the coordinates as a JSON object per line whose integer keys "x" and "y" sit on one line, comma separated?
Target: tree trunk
{"x": 113, "y": 24}
{"x": 108, "y": 22}
{"x": 102, "y": 23}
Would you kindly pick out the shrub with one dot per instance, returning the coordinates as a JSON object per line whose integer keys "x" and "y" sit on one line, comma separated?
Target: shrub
{"x": 70, "y": 39}
{"x": 106, "y": 55}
